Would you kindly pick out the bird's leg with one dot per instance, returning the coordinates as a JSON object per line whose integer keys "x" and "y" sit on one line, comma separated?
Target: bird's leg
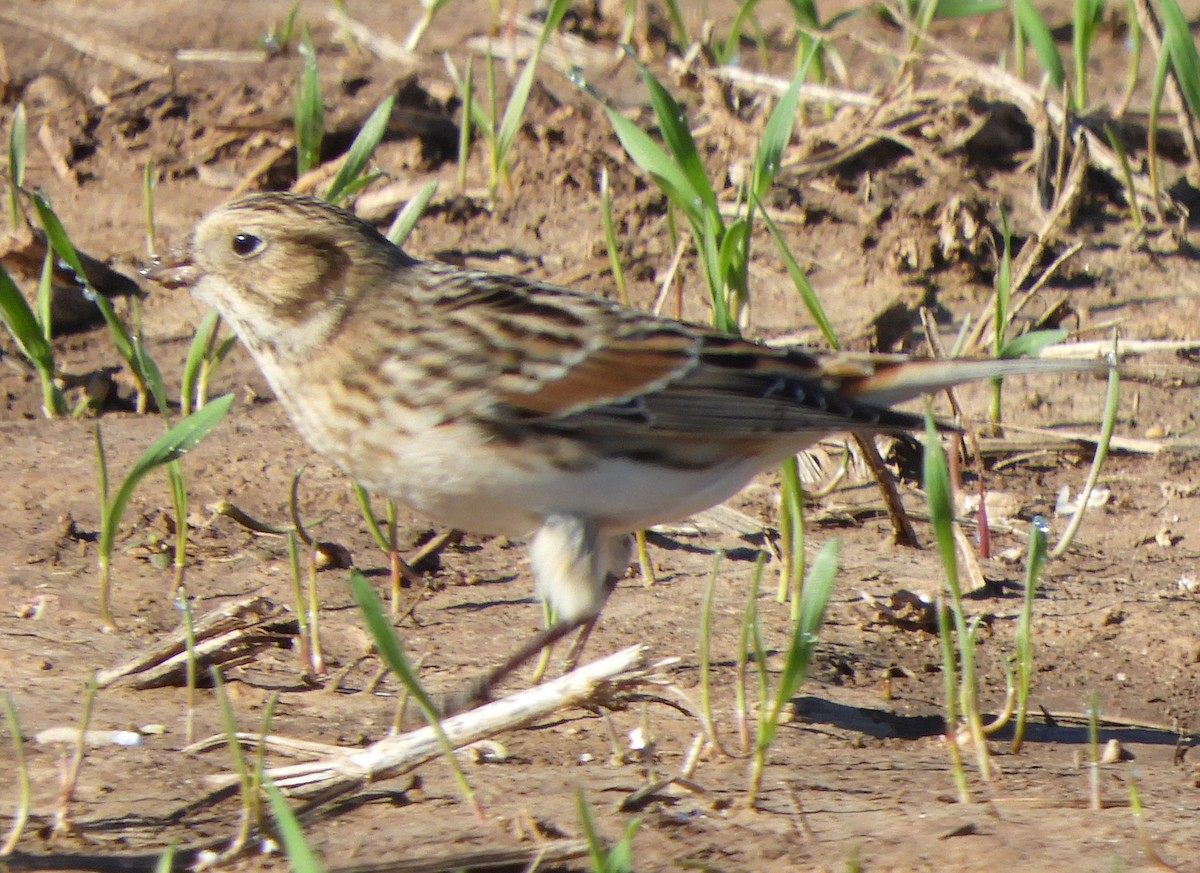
{"x": 585, "y": 630}
{"x": 479, "y": 691}
{"x": 575, "y": 568}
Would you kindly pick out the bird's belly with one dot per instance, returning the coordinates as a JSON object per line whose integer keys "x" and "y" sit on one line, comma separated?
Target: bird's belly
{"x": 510, "y": 491}
{"x": 459, "y": 477}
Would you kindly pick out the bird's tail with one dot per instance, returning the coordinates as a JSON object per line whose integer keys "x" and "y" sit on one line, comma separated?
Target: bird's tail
{"x": 892, "y": 383}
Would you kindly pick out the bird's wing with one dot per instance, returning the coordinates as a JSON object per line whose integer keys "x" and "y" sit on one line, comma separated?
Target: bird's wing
{"x": 574, "y": 362}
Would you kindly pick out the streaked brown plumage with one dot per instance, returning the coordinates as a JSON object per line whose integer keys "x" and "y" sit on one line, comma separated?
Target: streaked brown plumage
{"x": 499, "y": 405}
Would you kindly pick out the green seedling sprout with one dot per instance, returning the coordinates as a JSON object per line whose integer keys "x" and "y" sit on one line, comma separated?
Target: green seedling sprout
{"x": 175, "y": 481}
{"x": 1001, "y": 314}
{"x": 386, "y": 541}
{"x": 500, "y": 132}
{"x": 1088, "y": 16}
{"x": 70, "y": 775}
{"x": 727, "y": 53}
{"x": 310, "y": 108}
{"x": 350, "y": 179}
{"x": 24, "y": 791}
{"x": 704, "y": 653}
{"x": 1095, "y": 799}
{"x": 1023, "y": 345}
{"x": 169, "y": 447}
{"x": 618, "y": 859}
{"x": 205, "y": 354}
{"x": 610, "y": 239}
{"x": 278, "y": 41}
{"x": 814, "y": 597}
{"x": 501, "y": 136}
{"x": 466, "y": 95}
{"x": 149, "y": 180}
{"x": 1135, "y": 209}
{"x": 808, "y": 296}
{"x": 406, "y": 219}
{"x": 675, "y": 14}
{"x": 429, "y": 9}
{"x": 32, "y": 340}
{"x": 1178, "y": 44}
{"x": 191, "y": 666}
{"x": 312, "y": 603}
{"x": 308, "y": 668}
{"x": 18, "y": 149}
{"x": 950, "y": 698}
{"x": 1111, "y": 404}
{"x": 749, "y": 642}
{"x": 941, "y": 513}
{"x": 724, "y": 248}
{"x": 251, "y": 814}
{"x": 300, "y": 857}
{"x": 1034, "y": 562}
{"x": 56, "y": 236}
{"x": 791, "y": 533}
{"x": 166, "y": 861}
{"x": 1156, "y": 97}
{"x": 392, "y": 654}
{"x": 1036, "y": 33}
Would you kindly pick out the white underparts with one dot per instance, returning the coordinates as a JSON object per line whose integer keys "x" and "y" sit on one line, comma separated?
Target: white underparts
{"x": 572, "y": 563}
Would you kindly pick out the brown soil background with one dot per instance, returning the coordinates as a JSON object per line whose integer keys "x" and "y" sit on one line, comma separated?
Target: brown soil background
{"x": 860, "y": 773}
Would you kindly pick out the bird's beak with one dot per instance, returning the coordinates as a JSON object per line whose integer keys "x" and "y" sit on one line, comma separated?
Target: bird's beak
{"x": 174, "y": 269}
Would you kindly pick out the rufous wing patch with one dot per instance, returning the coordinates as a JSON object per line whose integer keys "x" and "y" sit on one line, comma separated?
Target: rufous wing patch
{"x": 613, "y": 373}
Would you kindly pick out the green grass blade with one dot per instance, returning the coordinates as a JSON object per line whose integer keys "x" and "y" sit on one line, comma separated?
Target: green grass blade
{"x": 406, "y": 219}
{"x": 966, "y": 8}
{"x": 1034, "y": 27}
{"x": 21, "y": 323}
{"x": 310, "y": 108}
{"x": 1023, "y": 638}
{"x": 374, "y": 616}
{"x": 672, "y": 123}
{"x": 651, "y": 159}
{"x": 941, "y": 508}
{"x": 807, "y": 294}
{"x": 729, "y": 52}
{"x": 300, "y": 857}
{"x": 610, "y": 239}
{"x": 675, "y": 14}
{"x": 778, "y": 131}
{"x": 1087, "y": 17}
{"x": 368, "y": 514}
{"x": 56, "y": 235}
{"x": 195, "y": 359}
{"x": 1177, "y": 39}
{"x": 360, "y": 151}
{"x": 1030, "y": 345}
{"x": 514, "y": 110}
{"x": 171, "y": 445}
{"x": 814, "y": 597}
{"x": 18, "y": 145}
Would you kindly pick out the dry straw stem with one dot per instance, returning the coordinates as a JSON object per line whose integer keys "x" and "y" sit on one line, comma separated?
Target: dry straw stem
{"x": 1152, "y": 30}
{"x": 383, "y": 47}
{"x": 564, "y": 52}
{"x": 1034, "y": 104}
{"x": 347, "y": 770}
{"x": 118, "y": 55}
{"x": 231, "y": 634}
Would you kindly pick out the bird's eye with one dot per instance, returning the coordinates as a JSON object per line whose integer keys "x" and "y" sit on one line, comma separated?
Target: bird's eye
{"x": 246, "y": 244}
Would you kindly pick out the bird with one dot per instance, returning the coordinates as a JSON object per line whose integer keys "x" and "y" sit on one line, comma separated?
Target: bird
{"x": 501, "y": 405}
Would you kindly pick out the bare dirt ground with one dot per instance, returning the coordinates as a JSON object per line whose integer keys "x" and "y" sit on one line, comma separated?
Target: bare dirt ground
{"x": 861, "y": 775}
